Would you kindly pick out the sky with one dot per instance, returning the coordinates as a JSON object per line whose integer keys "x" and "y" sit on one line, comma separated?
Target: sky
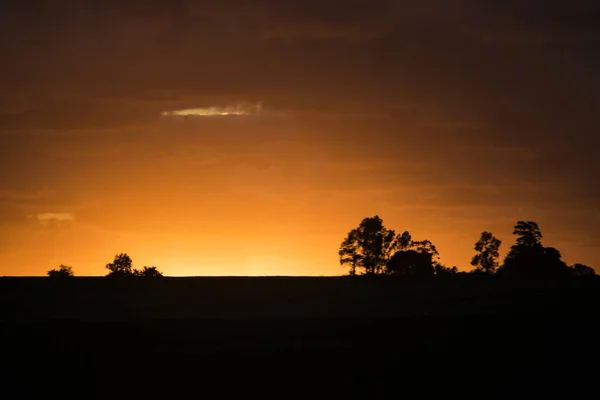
{"x": 247, "y": 138}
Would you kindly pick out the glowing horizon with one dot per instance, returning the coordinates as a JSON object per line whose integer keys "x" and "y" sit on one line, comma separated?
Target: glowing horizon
{"x": 154, "y": 140}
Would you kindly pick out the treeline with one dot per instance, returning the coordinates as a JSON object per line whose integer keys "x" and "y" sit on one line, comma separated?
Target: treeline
{"x": 121, "y": 267}
{"x": 372, "y": 249}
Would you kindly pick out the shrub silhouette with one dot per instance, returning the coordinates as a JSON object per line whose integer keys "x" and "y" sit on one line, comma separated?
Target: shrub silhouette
{"x": 410, "y": 263}
{"x": 63, "y": 271}
{"x": 148, "y": 272}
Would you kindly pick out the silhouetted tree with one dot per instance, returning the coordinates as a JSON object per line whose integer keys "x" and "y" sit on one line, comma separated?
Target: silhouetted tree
{"x": 441, "y": 270}
{"x": 486, "y": 259}
{"x": 121, "y": 266}
{"x": 404, "y": 241}
{"x": 368, "y": 247}
{"x": 413, "y": 257}
{"x": 63, "y": 271}
{"x": 529, "y": 258}
{"x": 410, "y": 263}
{"x": 373, "y": 249}
{"x": 425, "y": 246}
{"x": 552, "y": 261}
{"x": 349, "y": 253}
{"x": 582, "y": 270}
{"x": 149, "y": 272}
{"x": 528, "y": 233}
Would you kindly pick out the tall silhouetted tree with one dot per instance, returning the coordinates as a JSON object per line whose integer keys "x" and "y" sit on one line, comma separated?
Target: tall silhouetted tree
{"x": 529, "y": 258}
{"x": 487, "y": 248}
{"x": 121, "y": 266}
{"x": 63, "y": 271}
{"x": 349, "y": 253}
{"x": 528, "y": 234}
{"x": 368, "y": 247}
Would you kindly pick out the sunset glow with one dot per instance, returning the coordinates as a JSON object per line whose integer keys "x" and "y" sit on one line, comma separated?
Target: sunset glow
{"x": 444, "y": 120}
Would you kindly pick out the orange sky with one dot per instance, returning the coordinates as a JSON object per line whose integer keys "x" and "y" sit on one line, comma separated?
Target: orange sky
{"x": 445, "y": 121}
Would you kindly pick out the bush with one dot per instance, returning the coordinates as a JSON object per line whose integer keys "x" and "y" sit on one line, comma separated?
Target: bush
{"x": 63, "y": 271}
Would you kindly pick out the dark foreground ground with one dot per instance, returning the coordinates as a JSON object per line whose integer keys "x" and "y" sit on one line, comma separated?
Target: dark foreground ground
{"x": 299, "y": 338}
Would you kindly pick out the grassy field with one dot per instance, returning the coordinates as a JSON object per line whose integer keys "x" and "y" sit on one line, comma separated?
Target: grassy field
{"x": 334, "y": 337}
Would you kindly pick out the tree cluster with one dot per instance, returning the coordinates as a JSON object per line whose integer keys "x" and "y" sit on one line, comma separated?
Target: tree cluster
{"x": 63, "y": 271}
{"x": 121, "y": 267}
{"x": 373, "y": 249}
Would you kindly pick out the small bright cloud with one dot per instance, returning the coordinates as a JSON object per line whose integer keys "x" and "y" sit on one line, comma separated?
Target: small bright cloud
{"x": 212, "y": 111}
{"x": 46, "y": 219}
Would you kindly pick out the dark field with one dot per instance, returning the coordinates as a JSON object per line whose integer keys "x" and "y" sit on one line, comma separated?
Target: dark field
{"x": 300, "y": 337}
